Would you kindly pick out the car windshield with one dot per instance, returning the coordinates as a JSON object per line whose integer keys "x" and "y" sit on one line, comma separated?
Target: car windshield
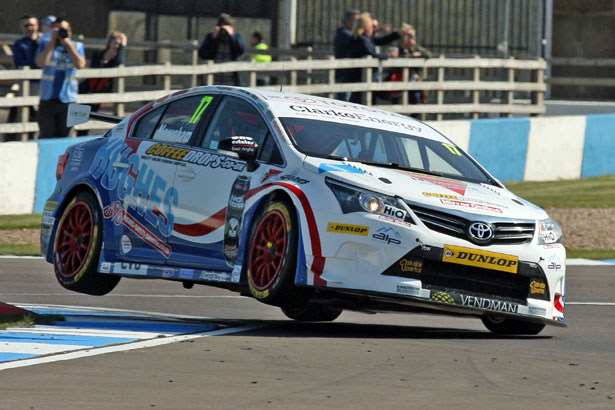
{"x": 330, "y": 140}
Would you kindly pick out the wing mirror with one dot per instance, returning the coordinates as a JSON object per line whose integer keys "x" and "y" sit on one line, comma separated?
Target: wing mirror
{"x": 244, "y": 148}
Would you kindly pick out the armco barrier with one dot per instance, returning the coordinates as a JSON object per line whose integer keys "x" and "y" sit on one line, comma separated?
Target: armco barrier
{"x": 512, "y": 149}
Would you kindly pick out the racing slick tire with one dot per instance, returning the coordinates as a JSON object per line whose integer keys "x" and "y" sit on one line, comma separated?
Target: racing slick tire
{"x": 507, "y": 326}
{"x": 76, "y": 248}
{"x": 311, "y": 312}
{"x": 272, "y": 258}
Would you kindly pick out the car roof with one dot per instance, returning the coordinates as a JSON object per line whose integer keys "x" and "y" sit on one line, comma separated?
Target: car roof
{"x": 284, "y": 104}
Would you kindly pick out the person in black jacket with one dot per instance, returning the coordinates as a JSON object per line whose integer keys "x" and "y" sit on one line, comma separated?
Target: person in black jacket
{"x": 362, "y": 45}
{"x": 223, "y": 44}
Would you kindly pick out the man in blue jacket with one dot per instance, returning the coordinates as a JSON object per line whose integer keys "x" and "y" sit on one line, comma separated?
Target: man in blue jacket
{"x": 60, "y": 58}
{"x": 224, "y": 44}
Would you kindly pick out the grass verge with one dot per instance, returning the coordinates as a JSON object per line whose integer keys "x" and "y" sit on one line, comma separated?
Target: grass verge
{"x": 590, "y": 254}
{"x": 28, "y": 320}
{"x": 20, "y": 221}
{"x": 29, "y": 249}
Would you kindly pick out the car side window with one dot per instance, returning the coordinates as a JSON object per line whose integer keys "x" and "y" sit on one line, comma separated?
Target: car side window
{"x": 269, "y": 151}
{"x": 181, "y": 119}
{"x": 148, "y": 123}
{"x": 235, "y": 117}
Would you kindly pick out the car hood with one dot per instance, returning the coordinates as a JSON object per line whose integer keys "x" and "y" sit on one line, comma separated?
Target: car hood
{"x": 428, "y": 190}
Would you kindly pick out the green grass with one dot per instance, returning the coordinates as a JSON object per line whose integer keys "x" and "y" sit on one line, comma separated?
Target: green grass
{"x": 596, "y": 192}
{"x": 28, "y": 320}
{"x": 590, "y": 254}
{"x": 20, "y": 221}
{"x": 30, "y": 249}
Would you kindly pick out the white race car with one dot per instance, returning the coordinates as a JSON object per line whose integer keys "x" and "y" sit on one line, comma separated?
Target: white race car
{"x": 307, "y": 203}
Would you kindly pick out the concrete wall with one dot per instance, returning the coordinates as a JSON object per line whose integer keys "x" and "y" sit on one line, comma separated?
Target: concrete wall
{"x": 512, "y": 149}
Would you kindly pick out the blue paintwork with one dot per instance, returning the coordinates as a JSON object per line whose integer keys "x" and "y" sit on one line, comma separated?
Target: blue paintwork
{"x": 599, "y": 147}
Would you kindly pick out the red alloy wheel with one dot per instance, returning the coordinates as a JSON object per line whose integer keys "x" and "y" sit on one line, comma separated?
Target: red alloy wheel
{"x": 268, "y": 250}
{"x": 75, "y": 239}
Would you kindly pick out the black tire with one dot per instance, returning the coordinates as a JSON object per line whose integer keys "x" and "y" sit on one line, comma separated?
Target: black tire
{"x": 507, "y": 326}
{"x": 272, "y": 259}
{"x": 76, "y": 248}
{"x": 312, "y": 312}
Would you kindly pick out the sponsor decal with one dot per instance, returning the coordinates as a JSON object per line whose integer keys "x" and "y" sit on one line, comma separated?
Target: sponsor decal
{"x": 465, "y": 204}
{"x": 47, "y": 222}
{"x": 120, "y": 216}
{"x": 394, "y": 212}
{"x": 480, "y": 258}
{"x": 206, "y": 159}
{"x": 408, "y": 290}
{"x": 457, "y": 187}
{"x": 555, "y": 263}
{"x": 396, "y": 221}
{"x": 325, "y": 167}
{"x": 196, "y": 116}
{"x": 236, "y": 273}
{"x": 169, "y": 272}
{"x": 105, "y": 267}
{"x": 388, "y": 235}
{"x": 294, "y": 178}
{"x": 351, "y": 229}
{"x": 164, "y": 133}
{"x": 50, "y": 205}
{"x": 537, "y": 311}
{"x": 125, "y": 244}
{"x": 491, "y": 304}
{"x": 462, "y": 198}
{"x": 130, "y": 268}
{"x": 215, "y": 276}
{"x": 337, "y": 113}
{"x": 553, "y": 246}
{"x": 537, "y": 287}
{"x": 436, "y": 195}
{"x": 406, "y": 265}
{"x": 442, "y": 297}
{"x": 76, "y": 158}
{"x": 452, "y": 149}
{"x": 270, "y": 173}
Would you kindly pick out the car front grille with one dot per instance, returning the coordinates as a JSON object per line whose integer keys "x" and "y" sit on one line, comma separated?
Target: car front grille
{"x": 505, "y": 232}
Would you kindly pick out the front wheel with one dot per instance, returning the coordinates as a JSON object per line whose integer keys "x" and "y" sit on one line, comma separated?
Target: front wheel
{"x": 507, "y": 326}
{"x": 272, "y": 259}
{"x": 77, "y": 245}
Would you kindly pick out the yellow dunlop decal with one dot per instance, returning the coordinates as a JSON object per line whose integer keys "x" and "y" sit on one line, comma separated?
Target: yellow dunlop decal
{"x": 51, "y": 205}
{"x": 351, "y": 229}
{"x": 482, "y": 259}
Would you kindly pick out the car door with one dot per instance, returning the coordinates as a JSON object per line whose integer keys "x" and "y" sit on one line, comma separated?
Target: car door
{"x": 161, "y": 138}
{"x": 215, "y": 188}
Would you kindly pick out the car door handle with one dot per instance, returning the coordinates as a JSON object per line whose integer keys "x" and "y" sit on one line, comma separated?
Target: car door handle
{"x": 119, "y": 164}
{"x": 186, "y": 174}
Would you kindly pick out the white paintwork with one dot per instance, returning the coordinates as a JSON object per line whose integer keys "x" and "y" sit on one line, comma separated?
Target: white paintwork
{"x": 18, "y": 166}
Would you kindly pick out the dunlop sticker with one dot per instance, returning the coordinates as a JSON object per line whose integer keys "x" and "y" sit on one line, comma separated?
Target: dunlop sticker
{"x": 351, "y": 229}
{"x": 479, "y": 258}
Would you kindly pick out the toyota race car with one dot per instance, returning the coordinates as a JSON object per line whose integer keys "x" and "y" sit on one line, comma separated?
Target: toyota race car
{"x": 306, "y": 203}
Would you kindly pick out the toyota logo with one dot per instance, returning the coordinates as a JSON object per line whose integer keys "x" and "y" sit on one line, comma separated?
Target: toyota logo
{"x": 480, "y": 232}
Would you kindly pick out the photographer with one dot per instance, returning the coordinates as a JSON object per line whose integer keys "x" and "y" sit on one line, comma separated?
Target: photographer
{"x": 59, "y": 57}
{"x": 223, "y": 44}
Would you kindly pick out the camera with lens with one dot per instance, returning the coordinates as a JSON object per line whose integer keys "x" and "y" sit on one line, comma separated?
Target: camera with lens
{"x": 62, "y": 32}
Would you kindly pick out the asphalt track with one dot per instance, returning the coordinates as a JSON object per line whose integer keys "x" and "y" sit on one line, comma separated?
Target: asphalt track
{"x": 383, "y": 361}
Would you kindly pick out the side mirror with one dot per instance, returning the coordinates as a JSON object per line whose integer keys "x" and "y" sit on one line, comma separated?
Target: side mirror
{"x": 244, "y": 148}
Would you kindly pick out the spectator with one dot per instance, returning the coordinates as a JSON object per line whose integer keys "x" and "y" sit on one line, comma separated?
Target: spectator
{"x": 341, "y": 46}
{"x": 113, "y": 55}
{"x": 409, "y": 48}
{"x": 259, "y": 44}
{"x": 362, "y": 45}
{"x": 60, "y": 58}
{"x": 24, "y": 49}
{"x": 223, "y": 44}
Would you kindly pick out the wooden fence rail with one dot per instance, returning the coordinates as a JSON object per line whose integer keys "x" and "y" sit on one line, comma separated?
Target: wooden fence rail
{"x": 464, "y": 79}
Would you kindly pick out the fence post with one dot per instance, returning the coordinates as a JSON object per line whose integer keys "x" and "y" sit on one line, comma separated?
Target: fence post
{"x": 210, "y": 77}
{"x": 331, "y": 76}
{"x": 252, "y": 79}
{"x": 308, "y": 80}
{"x": 440, "y": 93}
{"x": 405, "y": 78}
{"x": 23, "y": 114}
{"x": 167, "y": 76}
{"x": 510, "y": 94}
{"x": 540, "y": 95}
{"x": 476, "y": 92}
{"x": 293, "y": 73}
{"x": 195, "y": 61}
{"x": 367, "y": 78}
{"x": 121, "y": 89}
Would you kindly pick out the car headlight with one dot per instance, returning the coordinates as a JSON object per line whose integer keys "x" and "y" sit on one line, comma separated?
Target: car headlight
{"x": 549, "y": 232}
{"x": 355, "y": 199}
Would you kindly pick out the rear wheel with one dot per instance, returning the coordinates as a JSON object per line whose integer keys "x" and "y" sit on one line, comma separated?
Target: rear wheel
{"x": 507, "y": 326}
{"x": 273, "y": 253}
{"x": 77, "y": 245}
{"x": 311, "y": 312}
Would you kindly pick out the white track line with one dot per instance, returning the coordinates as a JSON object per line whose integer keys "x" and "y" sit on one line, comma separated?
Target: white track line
{"x": 119, "y": 348}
